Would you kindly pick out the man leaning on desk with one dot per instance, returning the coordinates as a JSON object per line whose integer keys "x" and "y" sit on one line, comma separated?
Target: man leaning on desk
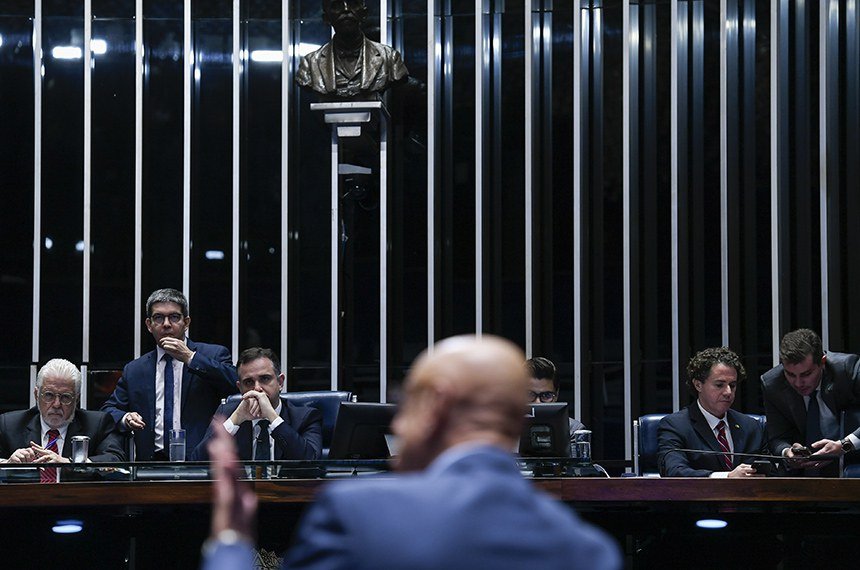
{"x": 461, "y": 501}
{"x": 709, "y": 424}
{"x": 177, "y": 385}
{"x": 42, "y": 434}
{"x": 804, "y": 397}
{"x": 264, "y": 426}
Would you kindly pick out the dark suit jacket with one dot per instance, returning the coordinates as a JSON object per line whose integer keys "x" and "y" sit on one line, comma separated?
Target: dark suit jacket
{"x": 688, "y": 429}
{"x": 18, "y": 429}
{"x": 786, "y": 411}
{"x": 476, "y": 511}
{"x": 299, "y": 437}
{"x": 381, "y": 66}
{"x": 209, "y": 377}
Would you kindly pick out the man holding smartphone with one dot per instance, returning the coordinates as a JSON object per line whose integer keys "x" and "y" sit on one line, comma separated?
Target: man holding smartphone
{"x": 804, "y": 397}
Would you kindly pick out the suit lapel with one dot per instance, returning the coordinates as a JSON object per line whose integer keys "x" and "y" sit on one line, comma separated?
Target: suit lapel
{"x": 74, "y": 429}
{"x": 371, "y": 64}
{"x": 285, "y": 413}
{"x": 148, "y": 389}
{"x": 739, "y": 438}
{"x": 187, "y": 379}
{"x": 243, "y": 440}
{"x": 326, "y": 67}
{"x": 34, "y": 429}
{"x": 700, "y": 424}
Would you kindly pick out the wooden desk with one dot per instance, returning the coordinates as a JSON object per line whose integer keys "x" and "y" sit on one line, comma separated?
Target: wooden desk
{"x": 584, "y": 493}
{"x": 796, "y": 523}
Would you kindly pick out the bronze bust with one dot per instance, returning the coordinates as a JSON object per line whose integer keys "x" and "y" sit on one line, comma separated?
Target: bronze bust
{"x": 350, "y": 66}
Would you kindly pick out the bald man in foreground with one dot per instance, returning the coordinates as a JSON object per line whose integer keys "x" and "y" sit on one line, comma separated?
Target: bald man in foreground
{"x": 463, "y": 503}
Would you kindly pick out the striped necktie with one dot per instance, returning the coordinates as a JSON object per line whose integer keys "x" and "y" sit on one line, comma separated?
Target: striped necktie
{"x": 724, "y": 444}
{"x": 49, "y": 474}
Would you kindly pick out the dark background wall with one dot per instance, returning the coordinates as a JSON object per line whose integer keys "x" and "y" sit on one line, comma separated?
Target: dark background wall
{"x": 653, "y": 287}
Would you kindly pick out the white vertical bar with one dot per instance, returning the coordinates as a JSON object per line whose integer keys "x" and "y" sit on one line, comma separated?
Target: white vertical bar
{"x": 823, "y": 27}
{"x": 383, "y": 258}
{"x": 88, "y": 159}
{"x": 37, "y": 186}
{"x": 577, "y": 208}
{"x": 238, "y": 64}
{"x": 433, "y": 56}
{"x": 724, "y": 182}
{"x": 675, "y": 30}
{"x": 335, "y": 255}
{"x": 527, "y": 160}
{"x": 774, "y": 174}
{"x": 138, "y": 172}
{"x": 188, "y": 67}
{"x": 384, "y": 23}
{"x": 628, "y": 369}
{"x": 286, "y": 60}
{"x": 479, "y": 165}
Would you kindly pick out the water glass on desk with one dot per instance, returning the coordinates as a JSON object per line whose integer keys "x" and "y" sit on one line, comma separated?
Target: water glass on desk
{"x": 177, "y": 445}
{"x": 80, "y": 448}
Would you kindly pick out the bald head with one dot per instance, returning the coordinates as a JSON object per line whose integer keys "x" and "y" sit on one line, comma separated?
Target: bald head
{"x": 467, "y": 389}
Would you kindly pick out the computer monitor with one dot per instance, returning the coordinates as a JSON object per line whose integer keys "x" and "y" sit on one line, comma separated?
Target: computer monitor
{"x": 360, "y": 431}
{"x": 546, "y": 431}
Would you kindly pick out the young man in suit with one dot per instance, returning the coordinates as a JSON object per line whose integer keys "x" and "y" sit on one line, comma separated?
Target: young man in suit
{"x": 709, "y": 424}
{"x": 42, "y": 434}
{"x": 461, "y": 501}
{"x": 804, "y": 397}
{"x": 544, "y": 386}
{"x": 265, "y": 427}
{"x": 177, "y": 385}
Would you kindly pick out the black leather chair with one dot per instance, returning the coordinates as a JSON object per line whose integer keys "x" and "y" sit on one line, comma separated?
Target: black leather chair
{"x": 327, "y": 402}
{"x": 645, "y": 438}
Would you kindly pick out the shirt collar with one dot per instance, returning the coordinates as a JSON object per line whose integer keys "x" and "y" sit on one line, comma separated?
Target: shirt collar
{"x": 63, "y": 430}
{"x": 711, "y": 418}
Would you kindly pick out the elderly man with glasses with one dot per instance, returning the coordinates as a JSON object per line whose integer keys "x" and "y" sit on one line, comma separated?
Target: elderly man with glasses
{"x": 43, "y": 433}
{"x": 543, "y": 387}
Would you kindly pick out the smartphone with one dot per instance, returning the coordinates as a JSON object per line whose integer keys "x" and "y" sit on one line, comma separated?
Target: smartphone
{"x": 762, "y": 466}
{"x": 801, "y": 451}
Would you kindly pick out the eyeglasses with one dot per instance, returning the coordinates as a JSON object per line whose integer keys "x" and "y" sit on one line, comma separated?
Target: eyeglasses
{"x": 158, "y": 318}
{"x": 545, "y": 397}
{"x": 65, "y": 399}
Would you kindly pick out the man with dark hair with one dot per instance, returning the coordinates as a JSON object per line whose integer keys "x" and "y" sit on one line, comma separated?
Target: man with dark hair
{"x": 350, "y": 65}
{"x": 176, "y": 386}
{"x": 544, "y": 387}
{"x": 264, "y": 426}
{"x": 463, "y": 502}
{"x": 43, "y": 433}
{"x": 804, "y": 397}
{"x": 709, "y": 424}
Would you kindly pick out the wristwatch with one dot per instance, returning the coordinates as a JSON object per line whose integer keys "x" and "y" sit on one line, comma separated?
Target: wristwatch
{"x": 847, "y": 446}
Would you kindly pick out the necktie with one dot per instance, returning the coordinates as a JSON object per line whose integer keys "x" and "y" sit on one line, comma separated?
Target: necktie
{"x": 262, "y": 450}
{"x": 724, "y": 444}
{"x": 168, "y": 398}
{"x": 49, "y": 474}
{"x": 813, "y": 419}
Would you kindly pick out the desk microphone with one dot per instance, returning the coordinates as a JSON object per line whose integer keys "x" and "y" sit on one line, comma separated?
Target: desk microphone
{"x": 757, "y": 455}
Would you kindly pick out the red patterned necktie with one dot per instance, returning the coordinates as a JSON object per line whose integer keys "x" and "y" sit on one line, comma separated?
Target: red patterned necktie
{"x": 724, "y": 444}
{"x": 49, "y": 474}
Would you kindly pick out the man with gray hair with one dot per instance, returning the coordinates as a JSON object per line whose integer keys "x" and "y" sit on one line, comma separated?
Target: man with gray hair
{"x": 42, "y": 433}
{"x": 176, "y": 386}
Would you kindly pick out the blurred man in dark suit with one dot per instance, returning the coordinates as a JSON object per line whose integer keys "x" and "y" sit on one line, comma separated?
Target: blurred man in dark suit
{"x": 461, "y": 502}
